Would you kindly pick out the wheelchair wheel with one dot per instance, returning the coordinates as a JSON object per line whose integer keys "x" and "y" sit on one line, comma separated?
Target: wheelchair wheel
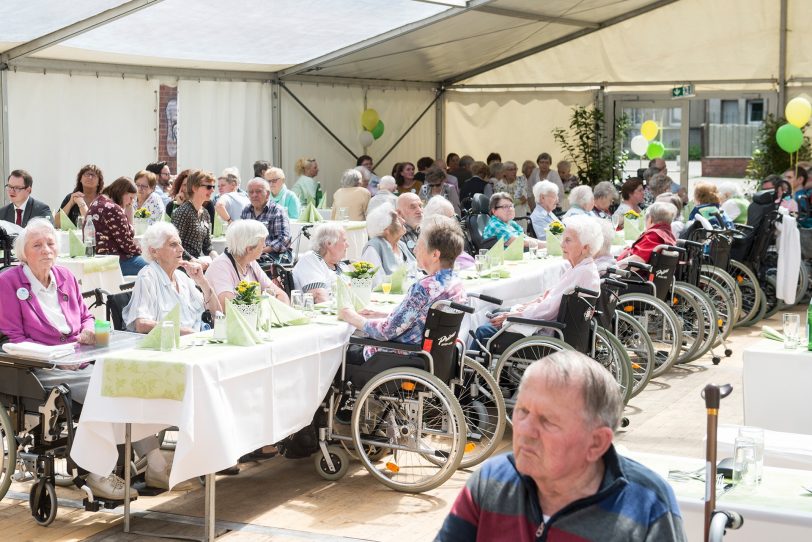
{"x": 8, "y": 445}
{"x": 43, "y": 508}
{"x": 639, "y": 348}
{"x": 721, "y": 302}
{"x": 730, "y": 285}
{"x": 340, "y": 459}
{"x": 662, "y": 325}
{"x": 748, "y": 285}
{"x": 484, "y": 409}
{"x": 413, "y": 415}
{"x": 514, "y": 361}
{"x": 711, "y": 330}
{"x": 689, "y": 312}
{"x": 772, "y": 304}
{"x": 611, "y": 353}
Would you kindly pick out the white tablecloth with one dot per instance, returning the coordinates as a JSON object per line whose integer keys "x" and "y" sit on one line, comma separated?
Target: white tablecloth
{"x": 99, "y": 272}
{"x": 785, "y": 450}
{"x": 356, "y": 237}
{"x": 236, "y": 400}
{"x": 777, "y": 384}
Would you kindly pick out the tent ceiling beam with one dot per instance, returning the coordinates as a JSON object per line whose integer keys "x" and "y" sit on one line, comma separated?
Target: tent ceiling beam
{"x": 5, "y": 168}
{"x": 32, "y": 64}
{"x": 554, "y": 43}
{"x": 75, "y": 29}
{"x": 518, "y": 14}
{"x": 351, "y": 81}
{"x": 596, "y": 84}
{"x": 315, "y": 64}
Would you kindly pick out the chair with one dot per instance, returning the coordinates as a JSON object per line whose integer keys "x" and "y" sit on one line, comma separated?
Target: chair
{"x": 476, "y": 221}
{"x": 113, "y": 303}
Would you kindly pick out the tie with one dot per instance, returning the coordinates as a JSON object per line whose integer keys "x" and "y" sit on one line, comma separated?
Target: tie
{"x": 19, "y": 220}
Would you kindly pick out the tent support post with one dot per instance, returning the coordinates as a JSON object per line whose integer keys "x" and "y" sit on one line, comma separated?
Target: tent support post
{"x": 276, "y": 124}
{"x": 320, "y": 123}
{"x": 439, "y": 127}
{"x": 684, "y": 140}
{"x": 4, "y": 143}
{"x": 409, "y": 129}
{"x": 782, "y": 59}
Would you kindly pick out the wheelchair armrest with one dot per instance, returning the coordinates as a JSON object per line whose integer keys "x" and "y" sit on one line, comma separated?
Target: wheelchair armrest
{"x": 688, "y": 243}
{"x": 579, "y": 290}
{"x": 364, "y": 341}
{"x": 487, "y": 299}
{"x": 639, "y": 265}
{"x": 537, "y": 323}
{"x": 617, "y": 272}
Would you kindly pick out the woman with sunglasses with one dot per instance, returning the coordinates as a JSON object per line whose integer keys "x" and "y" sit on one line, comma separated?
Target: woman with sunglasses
{"x": 192, "y": 219}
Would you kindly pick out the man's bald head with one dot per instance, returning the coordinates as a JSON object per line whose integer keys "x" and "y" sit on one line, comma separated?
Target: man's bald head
{"x": 410, "y": 209}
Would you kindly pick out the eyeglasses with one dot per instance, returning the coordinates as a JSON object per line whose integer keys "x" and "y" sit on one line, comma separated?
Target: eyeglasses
{"x": 275, "y": 180}
{"x": 89, "y": 174}
{"x": 508, "y": 206}
{"x": 142, "y": 186}
{"x": 15, "y": 188}
{"x": 207, "y": 186}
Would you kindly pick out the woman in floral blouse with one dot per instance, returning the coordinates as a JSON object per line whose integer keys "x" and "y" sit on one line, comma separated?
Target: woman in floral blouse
{"x": 148, "y": 198}
{"x": 517, "y": 189}
{"x": 112, "y": 214}
{"x": 439, "y": 244}
{"x": 192, "y": 220}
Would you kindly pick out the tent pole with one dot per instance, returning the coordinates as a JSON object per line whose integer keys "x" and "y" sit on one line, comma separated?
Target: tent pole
{"x": 782, "y": 59}
{"x": 409, "y": 129}
{"x": 320, "y": 123}
{"x": 5, "y": 167}
{"x": 276, "y": 124}
{"x": 439, "y": 127}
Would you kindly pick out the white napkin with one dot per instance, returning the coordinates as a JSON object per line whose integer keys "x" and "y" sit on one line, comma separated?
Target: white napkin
{"x": 39, "y": 351}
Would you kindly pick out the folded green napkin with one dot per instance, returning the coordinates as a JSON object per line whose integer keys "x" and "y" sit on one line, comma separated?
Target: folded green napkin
{"x": 275, "y": 313}
{"x": 632, "y": 228}
{"x": 397, "y": 280}
{"x": 238, "y": 331}
{"x": 65, "y": 223}
{"x": 152, "y": 340}
{"x": 75, "y": 244}
{"x": 166, "y": 218}
{"x": 515, "y": 250}
{"x": 553, "y": 243}
{"x": 310, "y": 214}
{"x": 497, "y": 252}
{"x": 144, "y": 379}
{"x": 217, "y": 229}
{"x": 345, "y": 297}
{"x": 500, "y": 272}
{"x": 770, "y": 333}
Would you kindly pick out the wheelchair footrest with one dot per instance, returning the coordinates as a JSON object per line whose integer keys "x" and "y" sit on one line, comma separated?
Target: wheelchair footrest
{"x": 109, "y": 504}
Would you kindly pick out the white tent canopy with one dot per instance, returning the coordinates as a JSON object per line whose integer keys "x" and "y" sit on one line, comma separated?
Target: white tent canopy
{"x": 79, "y": 81}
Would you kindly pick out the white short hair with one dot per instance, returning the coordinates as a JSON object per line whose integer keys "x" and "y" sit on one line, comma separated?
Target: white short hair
{"x": 608, "y": 231}
{"x": 35, "y": 225}
{"x": 604, "y": 189}
{"x": 581, "y": 196}
{"x": 436, "y": 206}
{"x": 543, "y": 188}
{"x": 259, "y": 181}
{"x": 388, "y": 183}
{"x": 661, "y": 212}
{"x": 155, "y": 237}
{"x": 379, "y": 220}
{"x": 324, "y": 235}
{"x": 275, "y": 171}
{"x": 244, "y": 234}
{"x": 365, "y": 173}
{"x": 350, "y": 178}
{"x": 588, "y": 230}
{"x": 730, "y": 189}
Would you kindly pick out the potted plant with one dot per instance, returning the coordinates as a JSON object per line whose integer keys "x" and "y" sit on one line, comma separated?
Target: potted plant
{"x": 247, "y": 301}
{"x": 141, "y": 220}
{"x": 361, "y": 275}
{"x": 553, "y": 235}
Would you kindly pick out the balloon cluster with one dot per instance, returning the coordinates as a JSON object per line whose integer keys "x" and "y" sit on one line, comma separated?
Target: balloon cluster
{"x": 789, "y": 136}
{"x": 372, "y": 127}
{"x": 643, "y": 144}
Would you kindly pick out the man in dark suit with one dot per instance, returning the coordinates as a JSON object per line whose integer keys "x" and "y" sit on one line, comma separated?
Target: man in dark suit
{"x": 22, "y": 207}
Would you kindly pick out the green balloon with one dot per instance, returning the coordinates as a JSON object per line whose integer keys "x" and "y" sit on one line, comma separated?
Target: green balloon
{"x": 378, "y": 130}
{"x": 655, "y": 149}
{"x": 789, "y": 137}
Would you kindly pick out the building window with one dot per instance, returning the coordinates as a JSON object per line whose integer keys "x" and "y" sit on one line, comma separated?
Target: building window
{"x": 730, "y": 111}
{"x": 755, "y": 111}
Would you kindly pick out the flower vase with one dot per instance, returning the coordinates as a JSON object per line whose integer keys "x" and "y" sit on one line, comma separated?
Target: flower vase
{"x": 362, "y": 288}
{"x": 249, "y": 312}
{"x": 553, "y": 243}
{"x": 141, "y": 225}
{"x": 632, "y": 228}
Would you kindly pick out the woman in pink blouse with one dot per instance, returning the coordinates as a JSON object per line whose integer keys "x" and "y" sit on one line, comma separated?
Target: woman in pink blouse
{"x": 112, "y": 214}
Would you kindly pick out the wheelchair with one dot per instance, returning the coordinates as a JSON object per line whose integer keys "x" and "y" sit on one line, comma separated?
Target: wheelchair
{"x": 416, "y": 417}
{"x": 474, "y": 222}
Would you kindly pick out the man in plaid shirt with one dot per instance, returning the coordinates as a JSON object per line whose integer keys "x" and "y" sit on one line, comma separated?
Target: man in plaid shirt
{"x": 277, "y": 244}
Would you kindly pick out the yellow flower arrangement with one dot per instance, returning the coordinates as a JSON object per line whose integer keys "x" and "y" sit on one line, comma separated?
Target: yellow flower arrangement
{"x": 248, "y": 293}
{"x": 556, "y": 227}
{"x": 142, "y": 213}
{"x": 361, "y": 270}
{"x": 631, "y": 214}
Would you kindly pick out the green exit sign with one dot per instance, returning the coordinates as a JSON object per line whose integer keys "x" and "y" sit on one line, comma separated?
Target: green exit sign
{"x": 684, "y": 91}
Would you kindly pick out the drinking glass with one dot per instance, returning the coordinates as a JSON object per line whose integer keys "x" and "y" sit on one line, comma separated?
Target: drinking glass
{"x": 745, "y": 466}
{"x": 296, "y": 299}
{"x": 541, "y": 253}
{"x": 101, "y": 328}
{"x": 386, "y": 287}
{"x": 532, "y": 252}
{"x": 308, "y": 303}
{"x": 167, "y": 336}
{"x": 481, "y": 263}
{"x": 342, "y": 214}
{"x": 757, "y": 435}
{"x": 792, "y": 325}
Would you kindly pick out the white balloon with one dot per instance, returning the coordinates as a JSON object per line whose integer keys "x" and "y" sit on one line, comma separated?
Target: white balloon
{"x": 639, "y": 145}
{"x": 365, "y": 138}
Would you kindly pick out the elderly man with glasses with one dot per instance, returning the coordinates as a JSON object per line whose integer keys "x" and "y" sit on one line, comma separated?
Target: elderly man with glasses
{"x": 273, "y": 216}
{"x": 22, "y": 207}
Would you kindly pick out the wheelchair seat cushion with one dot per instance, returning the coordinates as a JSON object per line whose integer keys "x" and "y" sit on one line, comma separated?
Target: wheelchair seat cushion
{"x": 361, "y": 373}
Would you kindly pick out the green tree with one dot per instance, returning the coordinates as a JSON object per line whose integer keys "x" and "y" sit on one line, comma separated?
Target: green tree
{"x": 596, "y": 155}
{"x": 768, "y": 157}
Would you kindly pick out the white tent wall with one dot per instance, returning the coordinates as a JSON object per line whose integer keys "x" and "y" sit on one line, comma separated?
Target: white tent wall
{"x": 58, "y": 123}
{"x": 516, "y": 124}
{"x": 223, "y": 124}
{"x": 339, "y": 107}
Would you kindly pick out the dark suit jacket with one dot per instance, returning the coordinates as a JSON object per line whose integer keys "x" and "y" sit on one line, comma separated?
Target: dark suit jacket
{"x": 33, "y": 209}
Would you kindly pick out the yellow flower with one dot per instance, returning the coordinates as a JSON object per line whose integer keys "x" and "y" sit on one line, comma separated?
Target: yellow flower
{"x": 631, "y": 214}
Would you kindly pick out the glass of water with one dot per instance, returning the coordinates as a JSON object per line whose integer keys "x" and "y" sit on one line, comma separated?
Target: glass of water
{"x": 745, "y": 464}
{"x": 342, "y": 214}
{"x": 167, "y": 336}
{"x": 481, "y": 263}
{"x": 308, "y": 303}
{"x": 757, "y": 435}
{"x": 792, "y": 328}
{"x": 532, "y": 252}
{"x": 296, "y": 299}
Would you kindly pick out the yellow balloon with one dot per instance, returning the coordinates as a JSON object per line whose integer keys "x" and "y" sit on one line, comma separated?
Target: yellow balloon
{"x": 798, "y": 111}
{"x": 649, "y": 129}
{"x": 369, "y": 119}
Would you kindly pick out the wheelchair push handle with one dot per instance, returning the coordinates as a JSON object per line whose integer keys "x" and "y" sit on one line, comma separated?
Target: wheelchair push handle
{"x": 456, "y": 306}
{"x": 616, "y": 283}
{"x": 692, "y": 244}
{"x": 591, "y": 293}
{"x": 487, "y": 299}
{"x": 670, "y": 248}
{"x": 618, "y": 272}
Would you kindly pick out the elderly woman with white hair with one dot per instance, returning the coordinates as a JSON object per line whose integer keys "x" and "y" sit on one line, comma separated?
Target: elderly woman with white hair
{"x": 386, "y": 194}
{"x": 581, "y": 240}
{"x": 280, "y": 194}
{"x": 161, "y": 285}
{"x": 351, "y": 196}
{"x": 582, "y": 200}
{"x": 659, "y": 217}
{"x": 385, "y": 248}
{"x": 734, "y": 204}
{"x": 245, "y": 240}
{"x": 545, "y": 195}
{"x": 605, "y": 194}
{"x": 316, "y": 272}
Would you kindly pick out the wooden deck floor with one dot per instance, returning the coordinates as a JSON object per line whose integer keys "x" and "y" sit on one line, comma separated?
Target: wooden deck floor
{"x": 283, "y": 500}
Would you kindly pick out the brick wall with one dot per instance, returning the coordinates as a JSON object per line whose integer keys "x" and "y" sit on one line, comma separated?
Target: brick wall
{"x": 167, "y": 127}
{"x": 724, "y": 167}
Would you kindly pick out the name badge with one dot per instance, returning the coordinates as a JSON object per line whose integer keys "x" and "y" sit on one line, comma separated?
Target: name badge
{"x": 22, "y": 294}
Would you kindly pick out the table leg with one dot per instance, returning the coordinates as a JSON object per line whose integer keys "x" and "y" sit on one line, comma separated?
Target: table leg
{"x": 210, "y": 529}
{"x": 127, "y": 474}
